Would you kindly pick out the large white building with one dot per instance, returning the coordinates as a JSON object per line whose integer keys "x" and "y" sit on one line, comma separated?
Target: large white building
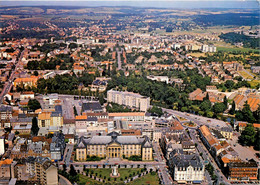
{"x": 186, "y": 168}
{"x": 130, "y": 99}
{"x": 2, "y": 146}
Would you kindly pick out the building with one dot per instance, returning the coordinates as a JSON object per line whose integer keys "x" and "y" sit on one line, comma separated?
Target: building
{"x": 159, "y": 78}
{"x": 57, "y": 146}
{"x": 26, "y": 82}
{"x": 2, "y": 145}
{"x": 37, "y": 170}
{"x": 186, "y": 168}
{"x": 44, "y": 119}
{"x": 5, "y": 170}
{"x": 5, "y": 112}
{"x": 130, "y": 99}
{"x": 114, "y": 146}
{"x": 242, "y": 171}
{"x": 56, "y": 119}
{"x": 227, "y": 132}
{"x": 129, "y": 116}
{"x": 93, "y": 106}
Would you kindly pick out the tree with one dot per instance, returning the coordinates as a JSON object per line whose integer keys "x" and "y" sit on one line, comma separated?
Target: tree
{"x": 64, "y": 168}
{"x": 219, "y": 107}
{"x": 225, "y": 102}
{"x": 75, "y": 111}
{"x": 205, "y": 105}
{"x": 248, "y": 136}
{"x": 73, "y": 45}
{"x": 35, "y": 73}
{"x": 72, "y": 171}
{"x": 233, "y": 108}
{"x": 34, "y": 104}
{"x": 35, "y": 128}
{"x": 156, "y": 110}
{"x": 247, "y": 113}
{"x": 257, "y": 140}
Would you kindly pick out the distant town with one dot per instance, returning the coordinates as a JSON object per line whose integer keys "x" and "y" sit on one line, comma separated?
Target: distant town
{"x": 125, "y": 95}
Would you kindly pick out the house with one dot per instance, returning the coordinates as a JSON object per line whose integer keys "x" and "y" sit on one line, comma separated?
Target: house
{"x": 197, "y": 95}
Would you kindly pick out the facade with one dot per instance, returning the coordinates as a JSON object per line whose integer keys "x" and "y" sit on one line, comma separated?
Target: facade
{"x": 57, "y": 146}
{"x": 130, "y": 99}
{"x": 129, "y": 116}
{"x": 39, "y": 170}
{"x": 26, "y": 82}
{"x": 227, "y": 132}
{"x": 186, "y": 168}
{"x": 44, "y": 119}
{"x": 5, "y": 112}
{"x": 242, "y": 171}
{"x": 114, "y": 146}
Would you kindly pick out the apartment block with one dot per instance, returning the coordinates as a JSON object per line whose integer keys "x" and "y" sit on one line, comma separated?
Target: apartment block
{"x": 130, "y": 99}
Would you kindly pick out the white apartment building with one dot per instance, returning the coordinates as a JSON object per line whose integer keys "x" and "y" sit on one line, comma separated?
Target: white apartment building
{"x": 130, "y": 99}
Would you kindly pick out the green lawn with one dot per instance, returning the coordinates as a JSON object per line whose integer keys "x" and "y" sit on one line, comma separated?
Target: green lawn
{"x": 124, "y": 172}
{"x": 147, "y": 179}
{"x": 227, "y": 49}
{"x": 86, "y": 180}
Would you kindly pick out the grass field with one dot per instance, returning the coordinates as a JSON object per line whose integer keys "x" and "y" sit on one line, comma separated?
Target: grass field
{"x": 147, "y": 179}
{"x": 254, "y": 83}
{"x": 197, "y": 54}
{"x": 228, "y": 49}
{"x": 245, "y": 75}
{"x": 86, "y": 180}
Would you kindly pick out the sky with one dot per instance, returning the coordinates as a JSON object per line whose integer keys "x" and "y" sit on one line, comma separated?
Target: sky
{"x": 139, "y": 3}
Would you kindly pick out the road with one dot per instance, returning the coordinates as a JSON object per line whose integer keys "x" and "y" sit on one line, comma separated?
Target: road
{"x": 64, "y": 181}
{"x": 199, "y": 120}
{"x": 67, "y": 153}
{"x": 119, "y": 62}
{"x": 163, "y": 174}
{"x": 207, "y": 157}
{"x": 9, "y": 83}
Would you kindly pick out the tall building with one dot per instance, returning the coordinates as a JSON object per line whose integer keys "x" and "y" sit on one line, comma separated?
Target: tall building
{"x": 130, "y": 99}
{"x": 114, "y": 146}
{"x": 37, "y": 170}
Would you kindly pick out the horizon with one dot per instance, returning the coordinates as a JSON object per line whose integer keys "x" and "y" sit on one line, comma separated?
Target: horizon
{"x": 192, "y": 4}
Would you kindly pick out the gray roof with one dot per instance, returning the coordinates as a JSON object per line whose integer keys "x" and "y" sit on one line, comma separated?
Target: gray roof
{"x": 58, "y": 108}
{"x": 226, "y": 129}
{"x": 105, "y": 140}
{"x": 91, "y": 106}
{"x": 56, "y": 114}
{"x": 184, "y": 161}
{"x": 5, "y": 109}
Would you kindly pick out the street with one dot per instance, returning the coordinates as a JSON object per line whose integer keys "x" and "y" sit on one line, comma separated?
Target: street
{"x": 8, "y": 85}
{"x": 163, "y": 174}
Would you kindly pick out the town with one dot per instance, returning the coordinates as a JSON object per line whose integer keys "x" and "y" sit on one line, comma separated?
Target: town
{"x": 123, "y": 95}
